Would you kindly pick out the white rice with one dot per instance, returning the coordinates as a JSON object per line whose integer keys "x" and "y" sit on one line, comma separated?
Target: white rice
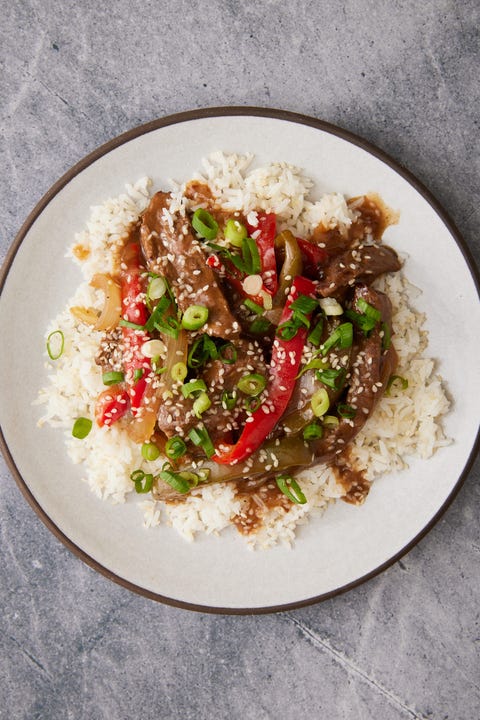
{"x": 405, "y": 424}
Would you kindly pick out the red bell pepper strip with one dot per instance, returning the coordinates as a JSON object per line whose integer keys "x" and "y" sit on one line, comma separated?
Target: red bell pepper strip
{"x": 135, "y": 311}
{"x": 312, "y": 255}
{"x": 264, "y": 234}
{"x": 111, "y": 405}
{"x": 286, "y": 358}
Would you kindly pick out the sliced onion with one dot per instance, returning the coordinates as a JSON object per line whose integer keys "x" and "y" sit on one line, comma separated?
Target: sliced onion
{"x": 109, "y": 317}
{"x": 112, "y": 309}
{"x": 86, "y": 315}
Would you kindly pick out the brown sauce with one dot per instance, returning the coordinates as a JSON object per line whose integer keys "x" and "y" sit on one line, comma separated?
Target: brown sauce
{"x": 256, "y": 502}
{"x": 351, "y": 479}
{"x": 374, "y": 217}
{"x": 200, "y": 194}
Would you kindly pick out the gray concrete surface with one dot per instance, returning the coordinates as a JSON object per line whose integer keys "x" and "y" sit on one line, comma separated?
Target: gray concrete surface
{"x": 404, "y": 75}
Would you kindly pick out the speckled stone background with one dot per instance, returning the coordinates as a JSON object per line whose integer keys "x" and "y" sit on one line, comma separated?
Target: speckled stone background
{"x": 404, "y": 75}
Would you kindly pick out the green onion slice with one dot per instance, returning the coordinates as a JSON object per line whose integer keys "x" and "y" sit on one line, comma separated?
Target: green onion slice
{"x": 202, "y": 350}
{"x": 55, "y": 344}
{"x": 193, "y": 387}
{"x": 304, "y": 304}
{"x": 252, "y": 384}
{"x": 235, "y": 232}
{"x": 200, "y": 437}
{"x": 179, "y": 372}
{"x": 331, "y": 378}
{"x": 201, "y": 404}
{"x": 81, "y": 427}
{"x": 368, "y": 310}
{"x": 330, "y": 421}
{"x": 175, "y": 447}
{"x": 320, "y": 402}
{"x": 132, "y": 325}
{"x": 315, "y": 336}
{"x": 387, "y": 336}
{"x": 204, "y": 224}
{"x": 138, "y": 374}
{"x": 228, "y": 353}
{"x": 342, "y": 337}
{"x": 157, "y": 288}
{"x": 194, "y": 317}
{"x": 143, "y": 481}
{"x": 260, "y": 326}
{"x": 175, "y": 480}
{"x": 251, "y": 256}
{"x": 252, "y": 404}
{"x": 346, "y": 411}
{"x": 288, "y": 330}
{"x": 253, "y": 306}
{"x": 289, "y": 487}
{"x": 228, "y": 399}
{"x": 313, "y": 431}
{"x": 150, "y": 451}
{"x": 112, "y": 377}
{"x": 315, "y": 364}
{"x": 394, "y": 379}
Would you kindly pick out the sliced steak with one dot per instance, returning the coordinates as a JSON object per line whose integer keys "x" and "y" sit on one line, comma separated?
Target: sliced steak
{"x": 370, "y": 372}
{"x": 363, "y": 265}
{"x": 171, "y": 250}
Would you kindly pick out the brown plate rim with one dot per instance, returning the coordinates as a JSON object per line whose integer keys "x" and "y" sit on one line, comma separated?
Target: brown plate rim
{"x": 197, "y": 114}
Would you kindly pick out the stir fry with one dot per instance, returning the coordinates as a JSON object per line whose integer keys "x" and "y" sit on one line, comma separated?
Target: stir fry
{"x": 237, "y": 351}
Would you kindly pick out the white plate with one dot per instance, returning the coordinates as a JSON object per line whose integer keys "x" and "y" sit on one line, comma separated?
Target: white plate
{"x": 348, "y": 544}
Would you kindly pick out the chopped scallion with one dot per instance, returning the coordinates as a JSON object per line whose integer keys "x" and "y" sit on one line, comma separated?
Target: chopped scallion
{"x": 304, "y": 304}
{"x": 204, "y": 224}
{"x": 112, "y": 377}
{"x": 228, "y": 353}
{"x": 175, "y": 480}
{"x": 150, "y": 451}
{"x": 396, "y": 379}
{"x": 228, "y": 399}
{"x": 201, "y": 404}
{"x": 194, "y": 317}
{"x": 235, "y": 232}
{"x": 252, "y": 384}
{"x": 331, "y": 378}
{"x": 346, "y": 411}
{"x": 81, "y": 428}
{"x": 200, "y": 437}
{"x": 342, "y": 337}
{"x": 315, "y": 337}
{"x": 313, "y": 431}
{"x": 143, "y": 481}
{"x": 193, "y": 387}
{"x": 157, "y": 288}
{"x": 289, "y": 487}
{"x": 175, "y": 447}
{"x": 179, "y": 372}
{"x": 253, "y": 306}
{"x": 260, "y": 326}
{"x": 55, "y": 344}
{"x": 320, "y": 402}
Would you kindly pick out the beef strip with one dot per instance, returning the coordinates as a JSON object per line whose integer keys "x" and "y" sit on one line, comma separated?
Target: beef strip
{"x": 176, "y": 415}
{"x": 171, "y": 250}
{"x": 369, "y": 375}
{"x": 362, "y": 265}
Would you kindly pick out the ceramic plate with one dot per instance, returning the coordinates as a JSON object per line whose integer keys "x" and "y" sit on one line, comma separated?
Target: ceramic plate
{"x": 332, "y": 553}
